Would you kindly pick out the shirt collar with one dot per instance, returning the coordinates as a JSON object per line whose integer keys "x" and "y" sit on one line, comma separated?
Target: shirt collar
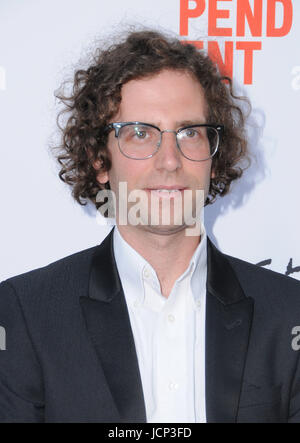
{"x": 132, "y": 266}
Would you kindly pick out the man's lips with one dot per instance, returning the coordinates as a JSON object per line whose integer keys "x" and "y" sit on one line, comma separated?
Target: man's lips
{"x": 169, "y": 188}
{"x": 163, "y": 191}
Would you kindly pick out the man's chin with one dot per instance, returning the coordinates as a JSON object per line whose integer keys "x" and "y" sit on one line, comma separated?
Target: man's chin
{"x": 163, "y": 229}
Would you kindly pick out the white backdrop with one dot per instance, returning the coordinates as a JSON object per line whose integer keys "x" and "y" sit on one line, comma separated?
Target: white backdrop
{"x": 41, "y": 41}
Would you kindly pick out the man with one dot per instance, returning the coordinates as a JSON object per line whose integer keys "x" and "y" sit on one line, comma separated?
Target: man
{"x": 153, "y": 324}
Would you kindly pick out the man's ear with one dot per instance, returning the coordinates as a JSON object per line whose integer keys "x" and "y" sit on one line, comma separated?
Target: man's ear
{"x": 102, "y": 176}
{"x": 212, "y": 174}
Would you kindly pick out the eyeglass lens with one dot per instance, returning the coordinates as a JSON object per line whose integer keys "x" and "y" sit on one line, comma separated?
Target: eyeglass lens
{"x": 142, "y": 141}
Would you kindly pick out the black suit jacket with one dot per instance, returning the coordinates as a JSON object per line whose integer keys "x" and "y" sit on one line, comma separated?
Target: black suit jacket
{"x": 71, "y": 356}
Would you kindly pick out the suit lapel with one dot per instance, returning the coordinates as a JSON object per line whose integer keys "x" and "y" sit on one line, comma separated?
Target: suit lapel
{"x": 228, "y": 323}
{"x": 108, "y": 325}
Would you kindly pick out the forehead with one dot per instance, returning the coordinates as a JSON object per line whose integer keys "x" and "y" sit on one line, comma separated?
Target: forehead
{"x": 164, "y": 95}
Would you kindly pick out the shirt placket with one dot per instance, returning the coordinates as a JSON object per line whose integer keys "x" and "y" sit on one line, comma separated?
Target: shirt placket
{"x": 171, "y": 362}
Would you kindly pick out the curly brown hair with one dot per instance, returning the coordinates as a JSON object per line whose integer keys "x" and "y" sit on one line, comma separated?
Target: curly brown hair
{"x": 96, "y": 96}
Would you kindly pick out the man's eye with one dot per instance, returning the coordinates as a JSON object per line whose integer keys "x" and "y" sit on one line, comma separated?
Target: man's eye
{"x": 140, "y": 134}
{"x": 190, "y": 133}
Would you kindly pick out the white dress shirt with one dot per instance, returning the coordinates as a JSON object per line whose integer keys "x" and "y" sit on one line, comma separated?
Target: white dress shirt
{"x": 169, "y": 333}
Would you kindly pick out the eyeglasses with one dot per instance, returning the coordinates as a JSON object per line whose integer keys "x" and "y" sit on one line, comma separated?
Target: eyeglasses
{"x": 140, "y": 141}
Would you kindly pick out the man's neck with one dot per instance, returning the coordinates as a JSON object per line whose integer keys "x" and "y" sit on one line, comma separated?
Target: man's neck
{"x": 168, "y": 254}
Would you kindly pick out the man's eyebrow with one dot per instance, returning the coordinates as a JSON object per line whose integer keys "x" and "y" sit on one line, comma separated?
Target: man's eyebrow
{"x": 189, "y": 122}
{"x": 182, "y": 123}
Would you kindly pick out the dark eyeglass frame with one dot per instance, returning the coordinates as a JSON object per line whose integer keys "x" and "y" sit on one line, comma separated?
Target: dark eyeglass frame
{"x": 117, "y": 126}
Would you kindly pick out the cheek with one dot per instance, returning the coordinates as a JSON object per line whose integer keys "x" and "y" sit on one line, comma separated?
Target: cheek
{"x": 117, "y": 167}
{"x": 129, "y": 170}
{"x": 203, "y": 174}
{"x": 122, "y": 170}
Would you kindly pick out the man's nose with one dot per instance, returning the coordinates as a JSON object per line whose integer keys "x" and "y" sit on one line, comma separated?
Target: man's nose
{"x": 168, "y": 156}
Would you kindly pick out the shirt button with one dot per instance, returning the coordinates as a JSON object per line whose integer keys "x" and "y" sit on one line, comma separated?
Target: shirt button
{"x": 136, "y": 304}
{"x": 173, "y": 386}
{"x": 146, "y": 273}
{"x": 171, "y": 318}
{"x": 198, "y": 304}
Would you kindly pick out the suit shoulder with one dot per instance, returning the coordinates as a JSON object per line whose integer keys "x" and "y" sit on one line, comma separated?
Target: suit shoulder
{"x": 55, "y": 271}
{"x": 260, "y": 279}
{"x": 260, "y": 270}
